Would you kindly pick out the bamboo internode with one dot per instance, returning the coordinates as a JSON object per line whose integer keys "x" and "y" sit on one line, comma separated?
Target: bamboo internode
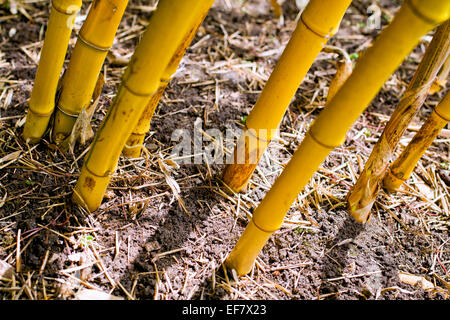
{"x": 42, "y": 101}
{"x": 319, "y": 22}
{"x": 412, "y": 21}
{"x": 403, "y": 166}
{"x": 94, "y": 40}
{"x": 167, "y": 28}
{"x": 363, "y": 194}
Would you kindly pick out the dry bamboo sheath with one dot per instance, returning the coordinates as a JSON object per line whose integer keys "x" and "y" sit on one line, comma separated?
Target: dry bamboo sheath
{"x": 441, "y": 78}
{"x": 363, "y": 194}
{"x": 403, "y": 166}
{"x": 42, "y": 101}
{"x": 170, "y": 30}
{"x": 412, "y": 21}
{"x": 168, "y": 27}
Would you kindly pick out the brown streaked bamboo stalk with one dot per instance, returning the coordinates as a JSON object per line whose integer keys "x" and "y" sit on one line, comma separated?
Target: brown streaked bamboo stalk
{"x": 404, "y": 165}
{"x": 363, "y": 194}
{"x": 57, "y": 36}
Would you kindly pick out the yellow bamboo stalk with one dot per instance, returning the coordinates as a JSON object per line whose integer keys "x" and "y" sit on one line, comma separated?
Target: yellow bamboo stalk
{"x": 94, "y": 40}
{"x": 319, "y": 22}
{"x": 441, "y": 78}
{"x": 135, "y": 142}
{"x": 403, "y": 166}
{"x": 167, "y": 28}
{"x": 57, "y": 36}
{"x": 363, "y": 194}
{"x": 413, "y": 20}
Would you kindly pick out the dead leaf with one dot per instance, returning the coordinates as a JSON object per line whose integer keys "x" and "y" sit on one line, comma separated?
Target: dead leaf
{"x": 116, "y": 59}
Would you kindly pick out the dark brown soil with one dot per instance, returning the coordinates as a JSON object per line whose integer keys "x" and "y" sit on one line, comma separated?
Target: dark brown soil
{"x": 141, "y": 244}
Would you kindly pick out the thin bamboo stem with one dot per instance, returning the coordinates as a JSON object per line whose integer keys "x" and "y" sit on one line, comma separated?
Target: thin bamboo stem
{"x": 167, "y": 28}
{"x": 57, "y": 36}
{"x": 319, "y": 22}
{"x": 135, "y": 142}
{"x": 94, "y": 40}
{"x": 328, "y": 131}
{"x": 363, "y": 194}
{"x": 403, "y": 166}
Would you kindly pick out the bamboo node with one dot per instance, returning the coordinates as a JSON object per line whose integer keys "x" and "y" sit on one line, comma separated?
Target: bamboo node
{"x": 261, "y": 229}
{"x": 257, "y": 137}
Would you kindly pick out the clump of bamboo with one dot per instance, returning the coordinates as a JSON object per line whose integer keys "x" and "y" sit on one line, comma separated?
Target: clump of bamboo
{"x": 403, "y": 166}
{"x": 344, "y": 68}
{"x": 363, "y": 194}
{"x": 135, "y": 142}
{"x": 94, "y": 40}
{"x": 277, "y": 10}
{"x": 319, "y": 22}
{"x": 412, "y": 21}
{"x": 167, "y": 28}
{"x": 57, "y": 36}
